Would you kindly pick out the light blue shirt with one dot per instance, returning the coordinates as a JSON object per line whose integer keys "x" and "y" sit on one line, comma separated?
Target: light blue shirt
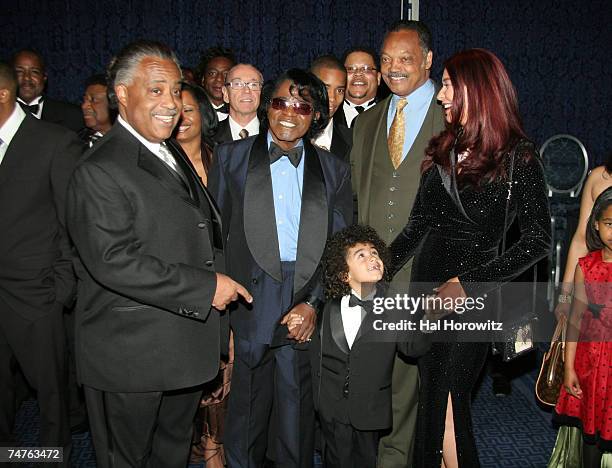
{"x": 287, "y": 183}
{"x": 414, "y": 112}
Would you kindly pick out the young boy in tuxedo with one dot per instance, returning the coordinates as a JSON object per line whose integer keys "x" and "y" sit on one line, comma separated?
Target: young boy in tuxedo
{"x": 352, "y": 362}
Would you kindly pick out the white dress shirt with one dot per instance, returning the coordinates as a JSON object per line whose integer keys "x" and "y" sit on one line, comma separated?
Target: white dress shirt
{"x": 166, "y": 157}
{"x": 350, "y": 112}
{"x": 324, "y": 139}
{"x": 38, "y": 100}
{"x": 351, "y": 317}
{"x": 252, "y": 127}
{"x": 10, "y": 127}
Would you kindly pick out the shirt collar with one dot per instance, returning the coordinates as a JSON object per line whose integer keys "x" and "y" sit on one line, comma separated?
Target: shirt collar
{"x": 10, "y": 127}
{"x": 36, "y": 100}
{"x": 325, "y": 137}
{"x": 153, "y": 147}
{"x": 419, "y": 97}
{"x": 252, "y": 127}
{"x": 365, "y": 105}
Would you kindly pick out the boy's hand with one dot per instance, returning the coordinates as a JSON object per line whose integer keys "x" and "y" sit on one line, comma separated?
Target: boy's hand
{"x": 304, "y": 331}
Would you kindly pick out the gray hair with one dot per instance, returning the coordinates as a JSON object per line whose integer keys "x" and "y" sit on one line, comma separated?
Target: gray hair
{"x": 121, "y": 67}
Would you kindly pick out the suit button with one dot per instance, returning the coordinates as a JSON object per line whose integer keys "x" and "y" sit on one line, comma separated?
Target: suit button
{"x": 254, "y": 281}
{"x": 391, "y": 229}
{"x": 391, "y": 203}
{"x": 201, "y": 225}
{"x": 395, "y": 174}
{"x": 196, "y": 314}
{"x": 392, "y": 189}
{"x": 390, "y": 216}
{"x": 209, "y": 263}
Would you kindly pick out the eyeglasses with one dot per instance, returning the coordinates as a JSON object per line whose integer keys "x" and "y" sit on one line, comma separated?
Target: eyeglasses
{"x": 239, "y": 84}
{"x": 301, "y": 108}
{"x": 362, "y": 70}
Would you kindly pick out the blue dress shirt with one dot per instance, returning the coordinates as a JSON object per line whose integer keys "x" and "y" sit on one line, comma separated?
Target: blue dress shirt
{"x": 287, "y": 183}
{"x": 414, "y": 112}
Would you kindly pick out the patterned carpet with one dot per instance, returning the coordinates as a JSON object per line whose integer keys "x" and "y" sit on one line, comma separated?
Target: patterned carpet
{"x": 511, "y": 431}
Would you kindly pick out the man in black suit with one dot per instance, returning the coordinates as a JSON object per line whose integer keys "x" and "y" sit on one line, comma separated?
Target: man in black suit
{"x": 242, "y": 92}
{"x": 36, "y": 276}
{"x": 147, "y": 333}
{"x": 32, "y": 77}
{"x": 336, "y": 137}
{"x": 362, "y": 84}
{"x": 280, "y": 198}
{"x": 97, "y": 114}
{"x": 214, "y": 65}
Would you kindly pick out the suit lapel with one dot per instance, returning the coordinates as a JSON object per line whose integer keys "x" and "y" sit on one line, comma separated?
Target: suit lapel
{"x": 379, "y": 147}
{"x": 22, "y": 141}
{"x": 224, "y": 132}
{"x": 259, "y": 218}
{"x": 313, "y": 219}
{"x": 339, "y": 146}
{"x": 336, "y": 327}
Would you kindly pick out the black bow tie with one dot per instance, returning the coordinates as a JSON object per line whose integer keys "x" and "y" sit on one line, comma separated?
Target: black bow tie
{"x": 224, "y": 108}
{"x": 359, "y": 109}
{"x": 368, "y": 306}
{"x": 31, "y": 108}
{"x": 294, "y": 154}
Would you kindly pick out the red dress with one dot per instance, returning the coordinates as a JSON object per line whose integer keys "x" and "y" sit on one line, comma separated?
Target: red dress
{"x": 593, "y": 363}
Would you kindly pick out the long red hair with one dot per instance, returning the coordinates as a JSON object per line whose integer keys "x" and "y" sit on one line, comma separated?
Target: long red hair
{"x": 493, "y": 123}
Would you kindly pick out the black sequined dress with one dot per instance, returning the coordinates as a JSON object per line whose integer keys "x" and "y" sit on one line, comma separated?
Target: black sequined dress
{"x": 450, "y": 245}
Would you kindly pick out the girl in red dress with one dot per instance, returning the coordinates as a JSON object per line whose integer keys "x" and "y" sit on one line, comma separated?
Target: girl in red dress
{"x": 585, "y": 400}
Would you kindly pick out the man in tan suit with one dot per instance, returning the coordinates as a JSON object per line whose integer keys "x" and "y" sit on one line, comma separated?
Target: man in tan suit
{"x": 389, "y": 143}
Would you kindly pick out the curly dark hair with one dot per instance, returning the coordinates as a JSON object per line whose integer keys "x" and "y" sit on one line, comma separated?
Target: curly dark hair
{"x": 334, "y": 263}
{"x": 311, "y": 89}
{"x": 603, "y": 201}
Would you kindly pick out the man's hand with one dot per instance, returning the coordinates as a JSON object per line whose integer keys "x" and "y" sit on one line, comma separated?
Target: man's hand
{"x": 304, "y": 331}
{"x": 228, "y": 291}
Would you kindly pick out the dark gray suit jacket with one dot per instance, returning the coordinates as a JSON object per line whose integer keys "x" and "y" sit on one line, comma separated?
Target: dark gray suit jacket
{"x": 146, "y": 273}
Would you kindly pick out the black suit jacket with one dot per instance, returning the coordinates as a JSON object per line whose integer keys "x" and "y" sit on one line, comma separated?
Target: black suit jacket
{"x": 342, "y": 140}
{"x": 146, "y": 273}
{"x": 353, "y": 385}
{"x": 223, "y": 133}
{"x": 35, "y": 255}
{"x": 240, "y": 180}
{"x": 63, "y": 113}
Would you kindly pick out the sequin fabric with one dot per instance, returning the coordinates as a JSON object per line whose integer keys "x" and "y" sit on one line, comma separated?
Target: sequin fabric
{"x": 446, "y": 244}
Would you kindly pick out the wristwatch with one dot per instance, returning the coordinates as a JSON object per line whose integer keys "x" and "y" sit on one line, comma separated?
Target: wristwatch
{"x": 564, "y": 298}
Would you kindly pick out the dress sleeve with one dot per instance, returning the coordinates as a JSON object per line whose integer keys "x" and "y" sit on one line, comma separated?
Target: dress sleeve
{"x": 531, "y": 205}
{"x": 405, "y": 244}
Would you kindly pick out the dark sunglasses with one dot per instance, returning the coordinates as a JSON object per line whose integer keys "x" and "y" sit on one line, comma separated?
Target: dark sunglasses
{"x": 301, "y": 108}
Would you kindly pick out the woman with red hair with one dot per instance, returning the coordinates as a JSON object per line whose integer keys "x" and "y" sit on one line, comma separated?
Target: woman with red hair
{"x": 458, "y": 219}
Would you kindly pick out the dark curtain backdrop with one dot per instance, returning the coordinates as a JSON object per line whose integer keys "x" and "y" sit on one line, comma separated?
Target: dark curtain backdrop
{"x": 557, "y": 52}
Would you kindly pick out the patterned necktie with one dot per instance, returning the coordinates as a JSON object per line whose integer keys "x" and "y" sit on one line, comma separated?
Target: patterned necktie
{"x": 395, "y": 140}
{"x": 244, "y": 133}
{"x": 167, "y": 157}
{"x": 294, "y": 154}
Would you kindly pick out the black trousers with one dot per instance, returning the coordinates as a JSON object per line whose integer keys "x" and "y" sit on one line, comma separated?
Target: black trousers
{"x": 37, "y": 349}
{"x": 149, "y": 429}
{"x": 263, "y": 377}
{"x": 347, "y": 447}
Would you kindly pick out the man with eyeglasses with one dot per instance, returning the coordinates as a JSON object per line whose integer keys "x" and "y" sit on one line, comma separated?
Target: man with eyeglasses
{"x": 280, "y": 198}
{"x": 336, "y": 137}
{"x": 242, "y": 91}
{"x": 363, "y": 79}
{"x": 214, "y": 65}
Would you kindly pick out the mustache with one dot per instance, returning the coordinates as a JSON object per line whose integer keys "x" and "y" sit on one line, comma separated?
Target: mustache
{"x": 397, "y": 75}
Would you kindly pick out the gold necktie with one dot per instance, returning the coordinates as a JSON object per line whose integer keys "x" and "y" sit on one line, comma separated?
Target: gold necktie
{"x": 395, "y": 140}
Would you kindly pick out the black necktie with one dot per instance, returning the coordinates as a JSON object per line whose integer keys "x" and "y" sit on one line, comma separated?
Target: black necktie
{"x": 368, "y": 306}
{"x": 224, "y": 108}
{"x": 359, "y": 109}
{"x": 294, "y": 154}
{"x": 31, "y": 108}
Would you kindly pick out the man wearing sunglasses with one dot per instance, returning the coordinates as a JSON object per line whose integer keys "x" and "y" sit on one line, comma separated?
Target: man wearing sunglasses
{"x": 242, "y": 91}
{"x": 280, "y": 198}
